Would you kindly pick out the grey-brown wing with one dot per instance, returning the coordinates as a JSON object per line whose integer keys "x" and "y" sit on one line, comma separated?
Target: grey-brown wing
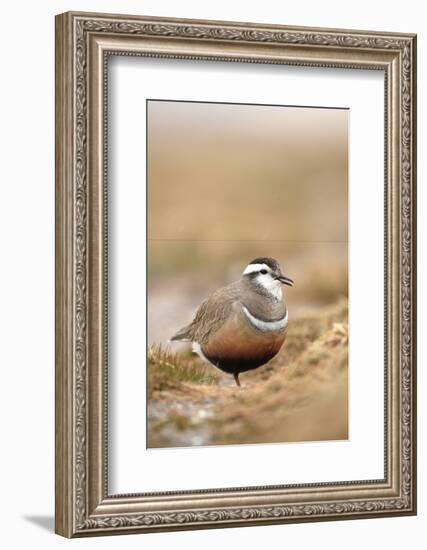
{"x": 210, "y": 316}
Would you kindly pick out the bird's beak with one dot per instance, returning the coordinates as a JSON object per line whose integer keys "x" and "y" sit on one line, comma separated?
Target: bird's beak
{"x": 285, "y": 280}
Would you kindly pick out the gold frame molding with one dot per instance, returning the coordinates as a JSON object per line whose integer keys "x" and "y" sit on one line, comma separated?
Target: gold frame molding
{"x": 83, "y": 43}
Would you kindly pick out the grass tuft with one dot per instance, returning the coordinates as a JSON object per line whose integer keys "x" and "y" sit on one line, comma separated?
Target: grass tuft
{"x": 300, "y": 395}
{"x": 167, "y": 370}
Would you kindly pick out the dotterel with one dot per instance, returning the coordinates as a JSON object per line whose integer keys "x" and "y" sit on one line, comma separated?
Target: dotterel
{"x": 243, "y": 325}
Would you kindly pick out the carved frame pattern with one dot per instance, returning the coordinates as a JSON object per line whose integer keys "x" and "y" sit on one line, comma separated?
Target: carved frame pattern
{"x": 83, "y": 506}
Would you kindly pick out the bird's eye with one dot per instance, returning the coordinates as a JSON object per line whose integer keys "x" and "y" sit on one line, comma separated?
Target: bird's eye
{"x": 263, "y": 272}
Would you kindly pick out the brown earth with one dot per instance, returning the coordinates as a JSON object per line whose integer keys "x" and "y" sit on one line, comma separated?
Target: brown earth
{"x": 301, "y": 395}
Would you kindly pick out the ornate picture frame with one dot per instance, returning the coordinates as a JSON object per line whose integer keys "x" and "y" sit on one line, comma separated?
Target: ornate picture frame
{"x": 84, "y": 506}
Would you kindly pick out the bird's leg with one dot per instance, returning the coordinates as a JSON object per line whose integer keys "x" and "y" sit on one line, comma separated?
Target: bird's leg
{"x": 236, "y": 378}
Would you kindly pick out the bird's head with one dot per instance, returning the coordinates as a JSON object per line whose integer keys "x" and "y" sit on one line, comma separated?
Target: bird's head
{"x": 266, "y": 274}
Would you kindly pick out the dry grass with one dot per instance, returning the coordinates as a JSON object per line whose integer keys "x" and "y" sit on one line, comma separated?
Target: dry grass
{"x": 226, "y": 185}
{"x": 167, "y": 370}
{"x": 306, "y": 401}
{"x": 302, "y": 394}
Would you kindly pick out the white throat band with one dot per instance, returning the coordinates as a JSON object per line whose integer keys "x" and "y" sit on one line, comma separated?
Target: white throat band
{"x": 266, "y": 326}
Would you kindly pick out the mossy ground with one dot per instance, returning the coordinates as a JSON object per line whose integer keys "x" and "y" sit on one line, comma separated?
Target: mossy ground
{"x": 301, "y": 395}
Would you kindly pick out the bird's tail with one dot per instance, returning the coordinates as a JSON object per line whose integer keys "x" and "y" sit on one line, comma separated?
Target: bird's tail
{"x": 182, "y": 335}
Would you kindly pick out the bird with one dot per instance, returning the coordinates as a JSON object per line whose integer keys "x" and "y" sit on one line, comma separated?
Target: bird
{"x": 243, "y": 325}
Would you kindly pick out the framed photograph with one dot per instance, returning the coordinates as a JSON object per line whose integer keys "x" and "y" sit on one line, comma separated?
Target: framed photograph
{"x": 235, "y": 274}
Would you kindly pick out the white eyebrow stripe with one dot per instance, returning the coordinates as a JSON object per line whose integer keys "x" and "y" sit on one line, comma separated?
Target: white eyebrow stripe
{"x": 251, "y": 268}
{"x": 266, "y": 326}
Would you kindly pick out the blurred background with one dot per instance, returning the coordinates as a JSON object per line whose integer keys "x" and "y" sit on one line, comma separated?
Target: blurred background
{"x": 228, "y": 183}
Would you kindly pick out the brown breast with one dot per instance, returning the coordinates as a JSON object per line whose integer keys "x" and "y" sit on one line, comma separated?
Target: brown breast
{"x": 238, "y": 339}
